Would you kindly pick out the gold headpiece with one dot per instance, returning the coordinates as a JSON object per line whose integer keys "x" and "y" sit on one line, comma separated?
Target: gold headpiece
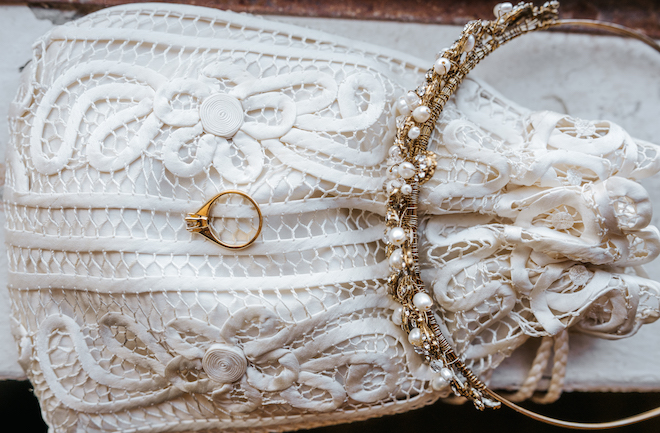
{"x": 414, "y": 165}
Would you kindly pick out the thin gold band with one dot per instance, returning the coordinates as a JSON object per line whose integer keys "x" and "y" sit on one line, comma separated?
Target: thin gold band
{"x": 198, "y": 222}
{"x": 611, "y": 28}
{"x": 576, "y": 425}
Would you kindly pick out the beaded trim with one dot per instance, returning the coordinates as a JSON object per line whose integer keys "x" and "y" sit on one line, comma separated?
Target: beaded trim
{"x": 411, "y": 165}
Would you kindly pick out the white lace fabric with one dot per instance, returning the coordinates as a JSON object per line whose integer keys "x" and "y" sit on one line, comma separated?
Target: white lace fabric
{"x": 132, "y": 117}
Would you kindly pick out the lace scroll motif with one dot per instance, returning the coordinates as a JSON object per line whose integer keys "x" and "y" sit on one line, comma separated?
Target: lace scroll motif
{"x": 541, "y": 227}
{"x": 132, "y": 117}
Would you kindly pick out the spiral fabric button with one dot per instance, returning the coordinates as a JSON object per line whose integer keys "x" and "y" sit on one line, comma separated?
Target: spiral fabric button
{"x": 224, "y": 364}
{"x": 221, "y": 115}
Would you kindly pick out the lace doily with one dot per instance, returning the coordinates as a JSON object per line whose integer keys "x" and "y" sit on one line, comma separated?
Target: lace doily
{"x": 132, "y": 117}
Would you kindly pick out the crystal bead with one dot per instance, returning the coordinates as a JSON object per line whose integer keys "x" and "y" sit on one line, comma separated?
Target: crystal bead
{"x": 436, "y": 365}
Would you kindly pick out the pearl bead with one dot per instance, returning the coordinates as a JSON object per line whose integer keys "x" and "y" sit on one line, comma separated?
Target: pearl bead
{"x": 469, "y": 44}
{"x": 446, "y": 374}
{"x": 414, "y": 132}
{"x": 442, "y": 66}
{"x": 412, "y": 99}
{"x": 397, "y": 235}
{"x": 402, "y": 107}
{"x": 438, "y": 383}
{"x": 397, "y": 316}
{"x": 421, "y": 114}
{"x": 415, "y": 337}
{"x": 391, "y": 185}
{"x": 395, "y": 152}
{"x": 502, "y": 8}
{"x": 406, "y": 189}
{"x": 406, "y": 170}
{"x": 396, "y": 259}
{"x": 393, "y": 172}
{"x": 422, "y": 301}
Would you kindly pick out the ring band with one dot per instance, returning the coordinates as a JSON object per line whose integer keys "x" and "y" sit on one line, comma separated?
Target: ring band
{"x": 198, "y": 222}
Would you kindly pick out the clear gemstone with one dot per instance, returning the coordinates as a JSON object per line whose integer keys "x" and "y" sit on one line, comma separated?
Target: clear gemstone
{"x": 436, "y": 365}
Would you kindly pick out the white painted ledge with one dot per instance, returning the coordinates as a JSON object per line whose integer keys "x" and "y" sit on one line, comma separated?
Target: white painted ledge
{"x": 585, "y": 76}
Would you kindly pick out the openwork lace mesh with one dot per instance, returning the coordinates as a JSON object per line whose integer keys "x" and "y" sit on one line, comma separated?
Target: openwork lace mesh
{"x": 128, "y": 322}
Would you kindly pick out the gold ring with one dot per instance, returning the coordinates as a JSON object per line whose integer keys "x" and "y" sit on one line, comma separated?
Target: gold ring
{"x": 198, "y": 222}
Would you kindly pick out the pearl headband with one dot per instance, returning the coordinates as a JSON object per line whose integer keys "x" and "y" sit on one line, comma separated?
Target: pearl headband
{"x": 411, "y": 165}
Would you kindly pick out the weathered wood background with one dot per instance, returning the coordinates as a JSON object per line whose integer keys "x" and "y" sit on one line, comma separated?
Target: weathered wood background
{"x": 643, "y": 15}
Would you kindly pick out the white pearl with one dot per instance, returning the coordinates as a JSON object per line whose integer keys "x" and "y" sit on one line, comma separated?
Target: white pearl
{"x": 502, "y": 8}
{"x": 391, "y": 185}
{"x": 469, "y": 44}
{"x": 442, "y": 66}
{"x": 406, "y": 170}
{"x": 396, "y": 259}
{"x": 422, "y": 301}
{"x": 415, "y": 337}
{"x": 395, "y": 151}
{"x": 393, "y": 172}
{"x": 446, "y": 374}
{"x": 414, "y": 132}
{"x": 397, "y": 235}
{"x": 412, "y": 99}
{"x": 397, "y": 316}
{"x": 438, "y": 383}
{"x": 421, "y": 114}
{"x": 402, "y": 107}
{"x": 406, "y": 189}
